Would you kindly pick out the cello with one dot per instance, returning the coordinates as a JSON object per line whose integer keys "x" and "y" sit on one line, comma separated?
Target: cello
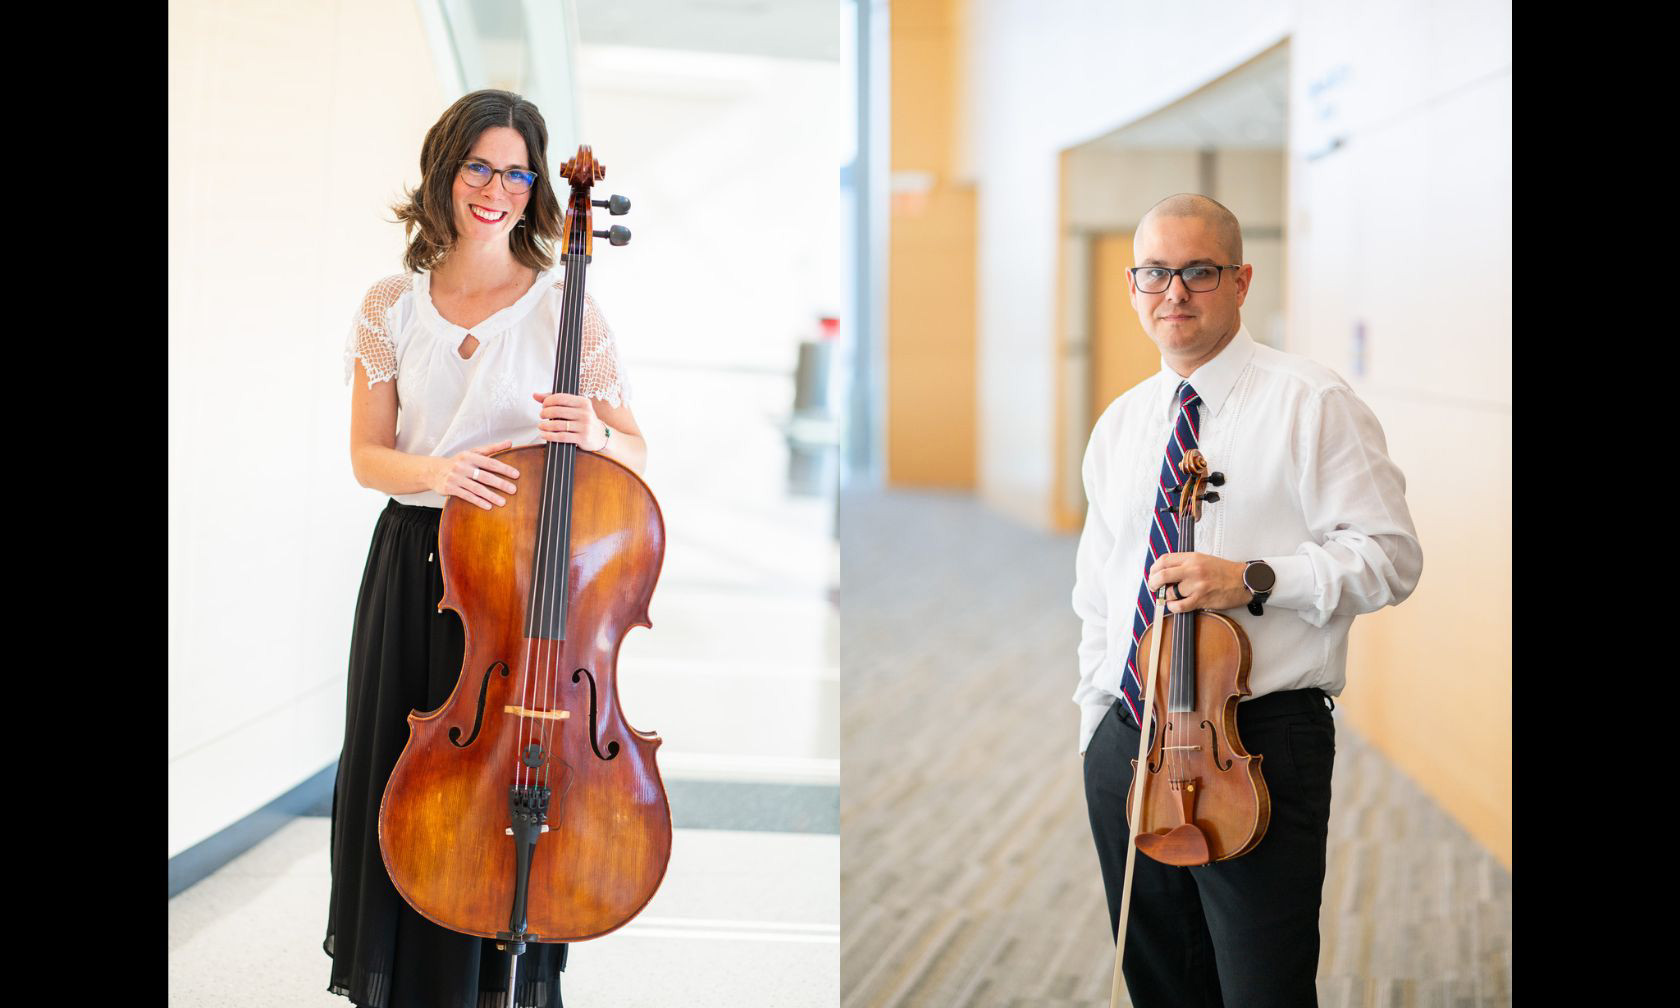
{"x": 526, "y": 808}
{"x": 1199, "y": 796}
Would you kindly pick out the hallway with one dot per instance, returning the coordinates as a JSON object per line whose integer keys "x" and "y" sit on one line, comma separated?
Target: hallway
{"x": 968, "y": 874}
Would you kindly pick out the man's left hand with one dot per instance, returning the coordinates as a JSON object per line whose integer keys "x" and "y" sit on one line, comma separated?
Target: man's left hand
{"x": 1204, "y": 581}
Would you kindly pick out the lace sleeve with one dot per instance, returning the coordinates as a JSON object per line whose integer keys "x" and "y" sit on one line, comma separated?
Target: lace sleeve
{"x": 370, "y": 341}
{"x": 603, "y": 374}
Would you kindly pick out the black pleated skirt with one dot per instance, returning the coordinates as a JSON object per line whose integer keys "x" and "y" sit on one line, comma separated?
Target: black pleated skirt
{"x": 405, "y": 655}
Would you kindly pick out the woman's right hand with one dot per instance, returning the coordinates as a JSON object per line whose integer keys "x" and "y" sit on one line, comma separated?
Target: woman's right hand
{"x": 471, "y": 475}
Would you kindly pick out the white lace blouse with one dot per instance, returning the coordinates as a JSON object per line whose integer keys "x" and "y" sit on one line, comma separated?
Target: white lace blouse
{"x": 446, "y": 404}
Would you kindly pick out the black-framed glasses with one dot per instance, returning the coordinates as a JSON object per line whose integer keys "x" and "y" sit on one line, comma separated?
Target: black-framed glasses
{"x": 514, "y": 180}
{"x": 1200, "y": 279}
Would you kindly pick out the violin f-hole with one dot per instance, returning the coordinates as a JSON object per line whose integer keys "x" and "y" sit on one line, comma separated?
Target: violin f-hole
{"x": 1213, "y": 746}
{"x": 478, "y": 718}
{"x": 1161, "y": 753}
{"x": 612, "y": 747}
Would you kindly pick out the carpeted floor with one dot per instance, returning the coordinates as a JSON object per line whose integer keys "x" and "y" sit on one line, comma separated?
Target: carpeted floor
{"x": 968, "y": 878}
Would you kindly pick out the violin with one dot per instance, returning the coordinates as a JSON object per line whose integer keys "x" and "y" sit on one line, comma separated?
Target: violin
{"x": 1200, "y": 797}
{"x": 526, "y": 808}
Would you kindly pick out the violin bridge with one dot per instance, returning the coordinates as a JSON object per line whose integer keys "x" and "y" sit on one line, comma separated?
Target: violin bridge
{"x": 549, "y": 715}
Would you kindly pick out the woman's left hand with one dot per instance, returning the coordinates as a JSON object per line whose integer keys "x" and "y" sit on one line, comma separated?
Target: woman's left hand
{"x": 571, "y": 418}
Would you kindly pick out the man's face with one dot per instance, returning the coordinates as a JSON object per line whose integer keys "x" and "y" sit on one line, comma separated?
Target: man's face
{"x": 1189, "y": 327}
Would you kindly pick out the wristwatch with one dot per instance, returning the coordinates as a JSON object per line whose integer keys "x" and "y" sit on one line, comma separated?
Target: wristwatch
{"x": 1259, "y": 578}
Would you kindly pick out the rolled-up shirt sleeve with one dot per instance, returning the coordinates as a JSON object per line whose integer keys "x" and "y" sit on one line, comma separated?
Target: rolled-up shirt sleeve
{"x": 1364, "y": 552}
{"x": 1090, "y": 600}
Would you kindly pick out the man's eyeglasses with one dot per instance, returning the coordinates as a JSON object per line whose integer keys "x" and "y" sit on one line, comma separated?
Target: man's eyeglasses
{"x": 514, "y": 180}
{"x": 1156, "y": 279}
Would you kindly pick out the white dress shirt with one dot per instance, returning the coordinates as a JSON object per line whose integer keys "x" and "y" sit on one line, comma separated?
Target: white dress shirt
{"x": 1309, "y": 488}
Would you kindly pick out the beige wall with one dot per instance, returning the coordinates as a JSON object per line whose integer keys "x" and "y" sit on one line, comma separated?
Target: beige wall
{"x": 292, "y": 127}
{"x": 930, "y": 347}
{"x": 1403, "y": 232}
{"x": 1398, "y": 182}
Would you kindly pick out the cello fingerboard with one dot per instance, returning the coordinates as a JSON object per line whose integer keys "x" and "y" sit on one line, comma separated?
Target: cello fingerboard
{"x": 545, "y": 613}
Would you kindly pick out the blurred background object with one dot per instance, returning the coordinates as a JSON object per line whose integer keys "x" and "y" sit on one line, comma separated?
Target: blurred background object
{"x": 1366, "y": 150}
{"x": 725, "y": 125}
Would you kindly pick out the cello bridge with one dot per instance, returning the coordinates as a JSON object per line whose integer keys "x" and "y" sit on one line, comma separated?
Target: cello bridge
{"x": 550, "y": 715}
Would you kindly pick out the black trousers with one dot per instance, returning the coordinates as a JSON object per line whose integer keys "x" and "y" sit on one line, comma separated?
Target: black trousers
{"x": 1241, "y": 933}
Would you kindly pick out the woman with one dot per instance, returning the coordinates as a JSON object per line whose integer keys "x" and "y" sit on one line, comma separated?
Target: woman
{"x": 451, "y": 356}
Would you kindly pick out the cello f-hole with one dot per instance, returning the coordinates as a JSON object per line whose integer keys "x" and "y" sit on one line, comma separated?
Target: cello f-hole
{"x": 478, "y": 718}
{"x": 612, "y": 747}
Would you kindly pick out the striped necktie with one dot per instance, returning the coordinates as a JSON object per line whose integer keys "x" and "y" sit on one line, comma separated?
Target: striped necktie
{"x": 1163, "y": 534}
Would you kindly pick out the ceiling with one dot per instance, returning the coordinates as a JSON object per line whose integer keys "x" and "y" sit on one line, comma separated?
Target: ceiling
{"x": 1246, "y": 108}
{"x": 790, "y": 29}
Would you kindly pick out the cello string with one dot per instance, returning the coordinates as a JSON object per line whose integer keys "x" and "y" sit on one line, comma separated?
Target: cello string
{"x": 537, "y": 618}
{"x": 556, "y": 567}
{"x": 574, "y": 342}
{"x": 540, "y": 615}
{"x": 570, "y": 361}
{"x": 560, "y": 484}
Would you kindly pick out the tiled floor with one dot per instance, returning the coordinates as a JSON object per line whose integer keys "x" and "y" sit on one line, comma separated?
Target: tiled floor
{"x": 743, "y": 919}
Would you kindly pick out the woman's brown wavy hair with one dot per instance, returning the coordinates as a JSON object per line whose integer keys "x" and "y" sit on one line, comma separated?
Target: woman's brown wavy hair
{"x": 426, "y": 214}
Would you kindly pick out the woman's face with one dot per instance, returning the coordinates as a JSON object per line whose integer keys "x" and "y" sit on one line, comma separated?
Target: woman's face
{"x": 488, "y": 213}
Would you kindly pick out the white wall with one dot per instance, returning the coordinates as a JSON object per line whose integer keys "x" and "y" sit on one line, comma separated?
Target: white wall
{"x": 731, "y": 163}
{"x": 1044, "y": 77}
{"x": 292, "y": 127}
{"x": 1426, "y": 86}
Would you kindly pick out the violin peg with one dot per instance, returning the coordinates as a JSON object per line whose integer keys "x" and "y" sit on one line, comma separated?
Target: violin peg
{"x": 1211, "y": 497}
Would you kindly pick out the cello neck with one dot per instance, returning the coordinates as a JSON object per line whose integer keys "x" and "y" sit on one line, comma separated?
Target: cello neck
{"x": 545, "y": 612}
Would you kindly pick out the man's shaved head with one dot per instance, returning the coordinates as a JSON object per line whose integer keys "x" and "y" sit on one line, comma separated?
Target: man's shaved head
{"x": 1222, "y": 222}
{"x": 1183, "y": 232}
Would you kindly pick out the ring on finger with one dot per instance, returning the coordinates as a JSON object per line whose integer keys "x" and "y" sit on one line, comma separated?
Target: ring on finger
{"x": 475, "y": 474}
{"x": 1178, "y": 596}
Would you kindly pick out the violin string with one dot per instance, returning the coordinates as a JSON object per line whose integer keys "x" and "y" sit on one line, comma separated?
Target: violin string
{"x": 1174, "y": 755}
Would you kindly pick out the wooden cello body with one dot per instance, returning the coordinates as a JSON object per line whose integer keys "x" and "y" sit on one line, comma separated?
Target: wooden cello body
{"x": 526, "y": 808}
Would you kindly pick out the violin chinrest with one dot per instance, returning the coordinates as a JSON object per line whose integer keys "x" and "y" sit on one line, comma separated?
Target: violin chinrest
{"x": 1184, "y": 846}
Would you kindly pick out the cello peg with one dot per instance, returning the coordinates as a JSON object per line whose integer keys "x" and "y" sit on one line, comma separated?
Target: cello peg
{"x": 1211, "y": 497}
{"x": 619, "y": 235}
{"x": 617, "y": 205}
{"x": 1217, "y": 479}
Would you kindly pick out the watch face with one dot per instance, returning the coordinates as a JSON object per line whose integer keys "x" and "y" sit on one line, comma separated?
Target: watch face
{"x": 1259, "y": 577}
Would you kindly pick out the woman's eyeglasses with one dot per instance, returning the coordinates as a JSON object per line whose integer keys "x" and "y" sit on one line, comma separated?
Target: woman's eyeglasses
{"x": 514, "y": 180}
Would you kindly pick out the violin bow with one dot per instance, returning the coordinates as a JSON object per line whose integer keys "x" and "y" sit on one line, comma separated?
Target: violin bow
{"x": 1118, "y": 995}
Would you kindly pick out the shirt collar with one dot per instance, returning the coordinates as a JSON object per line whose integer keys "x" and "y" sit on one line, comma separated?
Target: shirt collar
{"x": 1214, "y": 380}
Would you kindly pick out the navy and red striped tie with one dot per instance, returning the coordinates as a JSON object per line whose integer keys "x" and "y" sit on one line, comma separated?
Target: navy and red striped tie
{"x": 1163, "y": 534}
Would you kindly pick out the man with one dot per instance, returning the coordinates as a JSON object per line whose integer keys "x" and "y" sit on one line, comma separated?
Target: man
{"x": 1311, "y": 528}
